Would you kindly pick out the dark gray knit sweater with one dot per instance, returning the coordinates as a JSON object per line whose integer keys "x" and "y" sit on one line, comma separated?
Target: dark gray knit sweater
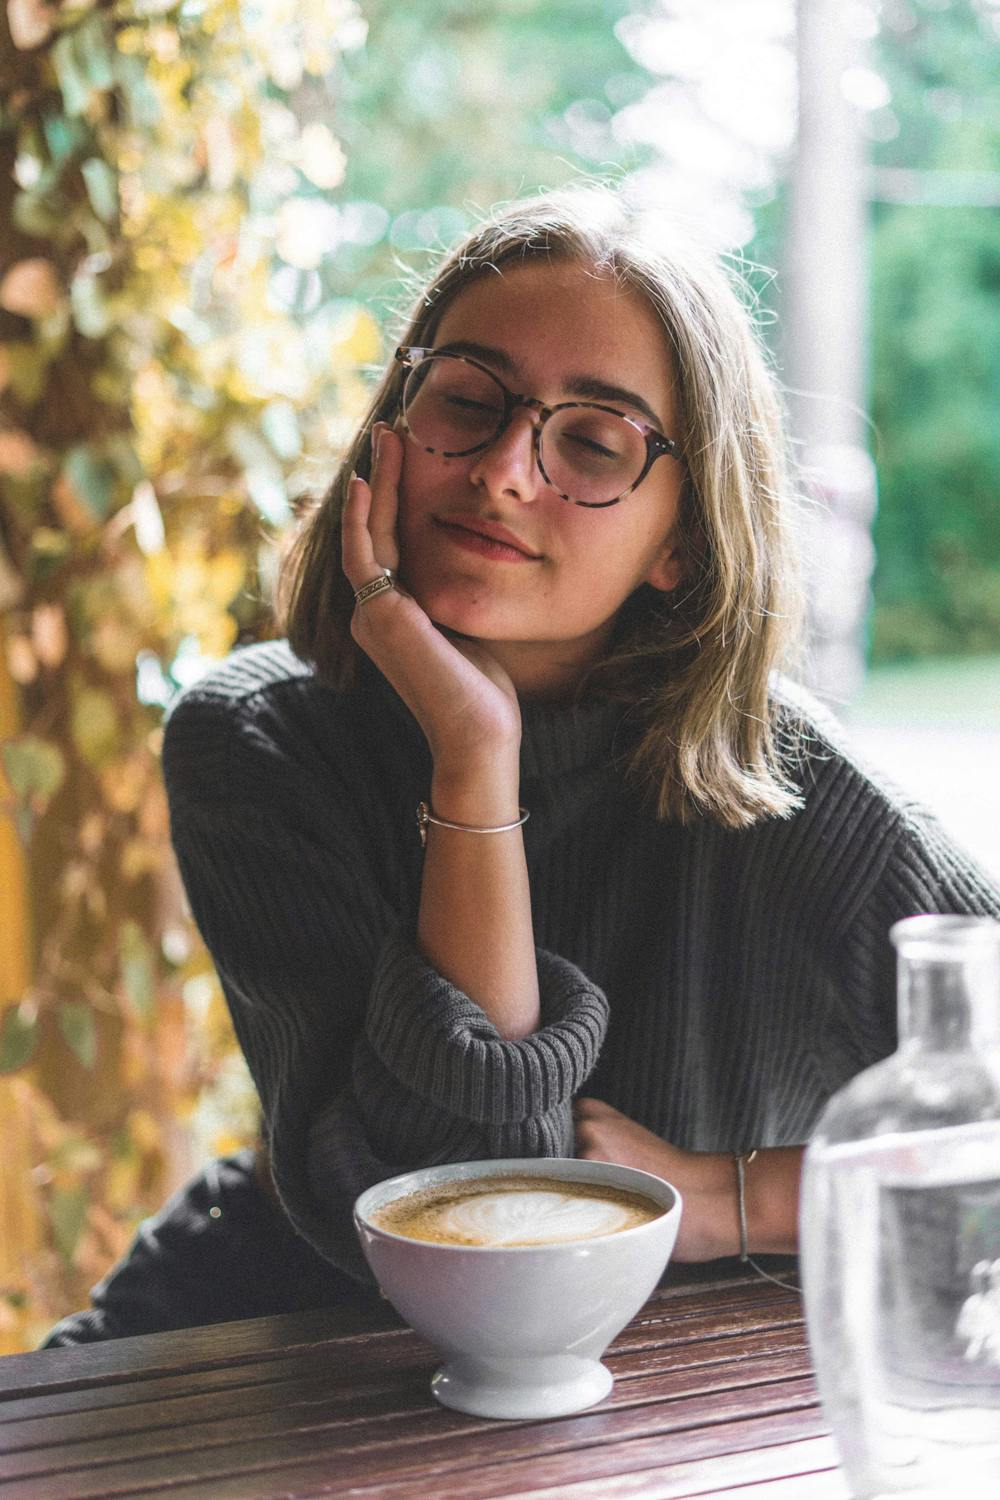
{"x": 716, "y": 986}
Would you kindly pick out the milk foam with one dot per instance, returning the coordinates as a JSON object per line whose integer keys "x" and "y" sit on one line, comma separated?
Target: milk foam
{"x": 541, "y": 1216}
{"x": 493, "y": 1212}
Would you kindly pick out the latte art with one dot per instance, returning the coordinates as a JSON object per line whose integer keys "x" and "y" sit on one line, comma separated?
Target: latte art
{"x": 539, "y": 1216}
{"x": 515, "y": 1210}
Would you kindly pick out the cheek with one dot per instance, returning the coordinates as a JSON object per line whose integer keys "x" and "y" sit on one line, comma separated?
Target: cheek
{"x": 425, "y": 479}
{"x": 612, "y": 547}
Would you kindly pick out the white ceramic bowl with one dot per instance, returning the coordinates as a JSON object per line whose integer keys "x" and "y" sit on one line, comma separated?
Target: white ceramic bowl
{"x": 521, "y": 1327}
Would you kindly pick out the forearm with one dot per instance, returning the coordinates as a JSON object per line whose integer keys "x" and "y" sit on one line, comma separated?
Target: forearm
{"x": 474, "y": 923}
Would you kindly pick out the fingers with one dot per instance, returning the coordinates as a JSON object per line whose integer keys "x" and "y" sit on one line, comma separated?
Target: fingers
{"x": 589, "y": 1139}
{"x": 386, "y": 471}
{"x": 357, "y": 548}
{"x": 368, "y": 520}
{"x": 592, "y": 1109}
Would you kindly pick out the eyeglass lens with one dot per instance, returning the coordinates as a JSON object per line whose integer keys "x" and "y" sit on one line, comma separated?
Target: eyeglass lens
{"x": 588, "y": 455}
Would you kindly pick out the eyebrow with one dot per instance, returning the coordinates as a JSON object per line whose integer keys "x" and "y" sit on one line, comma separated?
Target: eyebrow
{"x": 589, "y": 387}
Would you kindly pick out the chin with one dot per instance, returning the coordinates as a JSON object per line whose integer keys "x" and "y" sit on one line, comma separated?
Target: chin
{"x": 465, "y": 611}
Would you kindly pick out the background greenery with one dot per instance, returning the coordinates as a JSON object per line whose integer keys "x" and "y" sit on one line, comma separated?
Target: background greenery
{"x": 206, "y": 214}
{"x": 935, "y": 313}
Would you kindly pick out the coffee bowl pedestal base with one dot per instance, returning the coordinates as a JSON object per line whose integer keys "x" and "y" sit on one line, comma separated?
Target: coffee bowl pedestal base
{"x": 522, "y": 1388}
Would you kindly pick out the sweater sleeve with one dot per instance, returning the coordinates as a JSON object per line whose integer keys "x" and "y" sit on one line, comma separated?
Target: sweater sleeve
{"x": 915, "y": 868}
{"x": 367, "y": 1062}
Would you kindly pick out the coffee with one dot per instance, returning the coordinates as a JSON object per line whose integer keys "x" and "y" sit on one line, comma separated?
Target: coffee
{"x": 511, "y": 1209}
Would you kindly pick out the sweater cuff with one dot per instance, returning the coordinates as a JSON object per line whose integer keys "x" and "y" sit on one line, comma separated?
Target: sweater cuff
{"x": 441, "y": 1046}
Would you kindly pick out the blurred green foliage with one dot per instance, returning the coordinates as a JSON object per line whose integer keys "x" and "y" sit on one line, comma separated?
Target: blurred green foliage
{"x": 451, "y": 107}
{"x": 935, "y": 314}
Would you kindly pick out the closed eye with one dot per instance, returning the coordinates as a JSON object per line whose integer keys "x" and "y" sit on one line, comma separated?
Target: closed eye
{"x": 590, "y": 445}
{"x": 466, "y": 403}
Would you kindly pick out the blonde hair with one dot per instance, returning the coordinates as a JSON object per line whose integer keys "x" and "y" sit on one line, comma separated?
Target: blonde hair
{"x": 695, "y": 665}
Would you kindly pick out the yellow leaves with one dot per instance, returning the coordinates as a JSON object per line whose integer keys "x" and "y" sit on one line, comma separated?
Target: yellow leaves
{"x": 356, "y": 340}
{"x": 167, "y": 163}
{"x": 112, "y": 643}
{"x": 171, "y": 76}
{"x": 139, "y": 857}
{"x": 196, "y": 591}
{"x": 124, "y": 781}
{"x": 35, "y": 769}
{"x": 31, "y": 288}
{"x": 24, "y": 369}
{"x": 131, "y": 40}
{"x": 111, "y": 611}
{"x": 144, "y": 1132}
{"x": 94, "y": 725}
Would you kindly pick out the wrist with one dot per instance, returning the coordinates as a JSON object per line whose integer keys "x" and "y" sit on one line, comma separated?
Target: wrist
{"x": 710, "y": 1191}
{"x": 484, "y": 796}
{"x": 771, "y": 1198}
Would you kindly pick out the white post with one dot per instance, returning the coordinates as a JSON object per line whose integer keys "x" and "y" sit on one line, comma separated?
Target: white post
{"x": 825, "y": 339}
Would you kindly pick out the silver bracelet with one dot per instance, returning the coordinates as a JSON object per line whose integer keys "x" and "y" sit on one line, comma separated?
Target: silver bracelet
{"x": 743, "y": 1160}
{"x": 426, "y": 816}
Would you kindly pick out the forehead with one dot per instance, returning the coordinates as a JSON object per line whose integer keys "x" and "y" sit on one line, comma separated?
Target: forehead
{"x": 559, "y": 319}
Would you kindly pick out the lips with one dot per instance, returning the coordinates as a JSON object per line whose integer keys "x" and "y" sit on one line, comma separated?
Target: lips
{"x": 490, "y": 531}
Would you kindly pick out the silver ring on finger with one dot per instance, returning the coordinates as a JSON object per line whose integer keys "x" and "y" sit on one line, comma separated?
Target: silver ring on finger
{"x": 377, "y": 586}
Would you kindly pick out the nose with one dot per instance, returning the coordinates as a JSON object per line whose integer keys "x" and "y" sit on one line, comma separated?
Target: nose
{"x": 509, "y": 466}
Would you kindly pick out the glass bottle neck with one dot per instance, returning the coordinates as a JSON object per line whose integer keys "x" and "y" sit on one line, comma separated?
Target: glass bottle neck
{"x": 949, "y": 1004}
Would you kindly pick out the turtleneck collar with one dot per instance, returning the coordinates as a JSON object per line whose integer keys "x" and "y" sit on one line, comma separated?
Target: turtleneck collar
{"x": 557, "y": 738}
{"x": 562, "y": 737}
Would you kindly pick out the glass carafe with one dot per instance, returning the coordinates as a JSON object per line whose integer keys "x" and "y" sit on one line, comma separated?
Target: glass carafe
{"x": 900, "y": 1231}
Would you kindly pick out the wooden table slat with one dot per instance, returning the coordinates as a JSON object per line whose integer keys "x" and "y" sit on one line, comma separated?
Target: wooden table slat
{"x": 30, "y": 1447}
{"x": 307, "y": 1469}
{"x": 680, "y": 1305}
{"x": 713, "y": 1396}
{"x": 215, "y": 1346}
{"x": 425, "y": 1442}
{"x": 747, "y": 1360}
{"x": 804, "y": 1470}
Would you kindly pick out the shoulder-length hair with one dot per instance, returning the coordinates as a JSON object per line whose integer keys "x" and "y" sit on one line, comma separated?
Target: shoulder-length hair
{"x": 695, "y": 665}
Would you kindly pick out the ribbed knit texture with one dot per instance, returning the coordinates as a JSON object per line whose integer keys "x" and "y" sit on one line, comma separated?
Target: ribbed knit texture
{"x": 747, "y": 974}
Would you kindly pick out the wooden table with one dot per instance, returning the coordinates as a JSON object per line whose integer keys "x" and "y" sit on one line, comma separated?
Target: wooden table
{"x": 713, "y": 1395}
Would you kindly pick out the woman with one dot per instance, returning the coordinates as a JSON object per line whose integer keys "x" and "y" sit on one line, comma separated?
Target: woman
{"x": 550, "y": 581}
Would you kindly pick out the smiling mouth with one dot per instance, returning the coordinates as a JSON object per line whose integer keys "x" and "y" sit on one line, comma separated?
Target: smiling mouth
{"x": 487, "y": 539}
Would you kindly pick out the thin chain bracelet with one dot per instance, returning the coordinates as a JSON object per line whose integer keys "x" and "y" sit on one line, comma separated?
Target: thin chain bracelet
{"x": 743, "y": 1160}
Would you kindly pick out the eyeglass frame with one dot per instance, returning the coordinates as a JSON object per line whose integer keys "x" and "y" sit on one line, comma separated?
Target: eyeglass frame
{"x": 410, "y": 356}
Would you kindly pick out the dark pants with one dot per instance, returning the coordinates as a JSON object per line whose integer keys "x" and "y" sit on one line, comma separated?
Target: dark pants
{"x": 218, "y": 1250}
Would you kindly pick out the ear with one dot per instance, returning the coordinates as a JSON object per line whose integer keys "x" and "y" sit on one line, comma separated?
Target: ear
{"x": 667, "y": 568}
